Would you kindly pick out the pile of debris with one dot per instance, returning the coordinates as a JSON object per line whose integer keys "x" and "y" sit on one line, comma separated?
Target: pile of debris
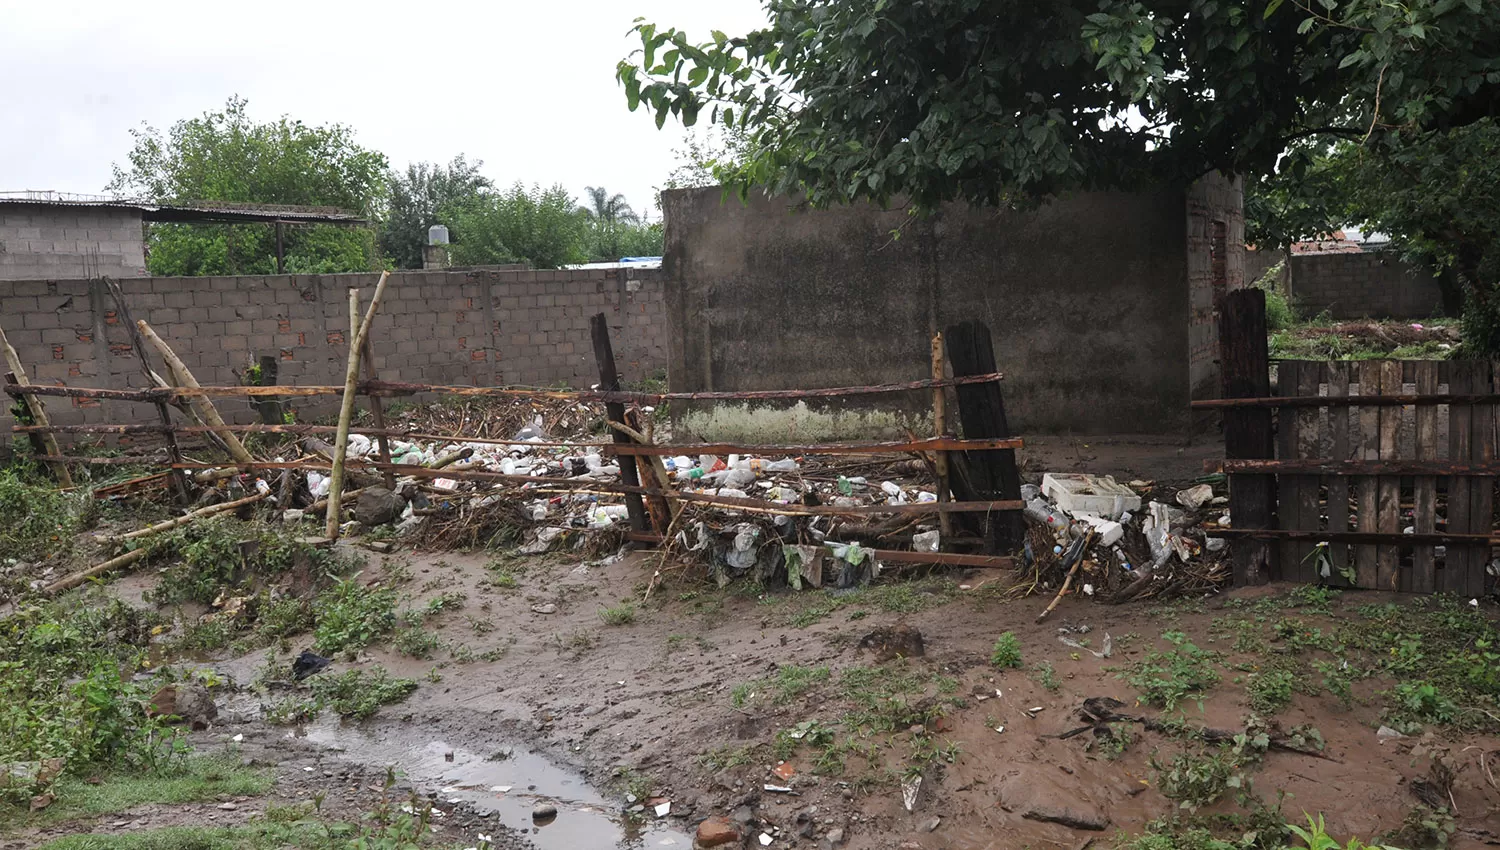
{"x": 1093, "y": 532}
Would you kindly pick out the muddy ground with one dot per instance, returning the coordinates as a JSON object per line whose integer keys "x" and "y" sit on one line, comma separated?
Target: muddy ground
{"x": 692, "y": 700}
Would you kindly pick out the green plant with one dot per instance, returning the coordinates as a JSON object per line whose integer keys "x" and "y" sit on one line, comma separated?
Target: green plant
{"x": 618, "y": 615}
{"x": 360, "y": 693}
{"x": 1166, "y": 678}
{"x": 222, "y": 553}
{"x": 1316, "y": 837}
{"x": 1421, "y": 702}
{"x": 1007, "y": 652}
{"x": 1046, "y": 676}
{"x": 416, "y": 642}
{"x": 350, "y": 616}
{"x": 793, "y": 681}
{"x": 40, "y": 522}
{"x": 1115, "y": 744}
{"x": 1196, "y": 779}
{"x": 1424, "y": 827}
{"x": 1270, "y": 690}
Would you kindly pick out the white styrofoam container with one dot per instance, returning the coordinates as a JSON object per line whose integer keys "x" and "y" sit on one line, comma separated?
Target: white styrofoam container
{"x": 1079, "y": 493}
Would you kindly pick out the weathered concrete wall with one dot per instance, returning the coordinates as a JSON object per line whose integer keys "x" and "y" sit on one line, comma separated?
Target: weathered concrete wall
{"x": 1087, "y": 299}
{"x": 1370, "y": 284}
{"x": 478, "y": 328}
{"x": 59, "y": 242}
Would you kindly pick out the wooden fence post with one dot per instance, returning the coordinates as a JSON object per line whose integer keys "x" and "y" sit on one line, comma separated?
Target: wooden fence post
{"x": 609, "y": 381}
{"x": 1244, "y": 363}
{"x": 989, "y": 474}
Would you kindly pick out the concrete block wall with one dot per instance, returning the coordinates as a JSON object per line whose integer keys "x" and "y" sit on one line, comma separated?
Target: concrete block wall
{"x": 1369, "y": 284}
{"x": 527, "y": 328}
{"x": 1212, "y": 199}
{"x": 50, "y": 241}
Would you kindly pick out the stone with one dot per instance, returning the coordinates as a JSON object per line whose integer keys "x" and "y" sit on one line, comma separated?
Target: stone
{"x": 744, "y": 815}
{"x": 228, "y": 807}
{"x": 545, "y": 608}
{"x": 190, "y": 703}
{"x": 717, "y": 832}
{"x": 544, "y": 811}
{"x": 834, "y": 838}
{"x": 378, "y": 506}
{"x": 932, "y": 825}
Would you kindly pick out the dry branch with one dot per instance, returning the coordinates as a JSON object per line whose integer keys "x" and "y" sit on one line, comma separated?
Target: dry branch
{"x": 205, "y": 408}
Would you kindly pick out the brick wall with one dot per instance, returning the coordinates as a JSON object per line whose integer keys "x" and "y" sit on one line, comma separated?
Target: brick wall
{"x": 1215, "y": 223}
{"x": 60, "y": 241}
{"x": 526, "y": 328}
{"x": 1373, "y": 284}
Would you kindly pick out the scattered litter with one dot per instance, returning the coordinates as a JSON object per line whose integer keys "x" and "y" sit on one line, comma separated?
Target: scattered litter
{"x": 765, "y": 839}
{"x": 776, "y": 789}
{"x": 910, "y": 788}
{"x": 1091, "y": 494}
{"x": 1194, "y": 498}
{"x": 1386, "y": 733}
{"x": 663, "y": 809}
{"x": 784, "y": 771}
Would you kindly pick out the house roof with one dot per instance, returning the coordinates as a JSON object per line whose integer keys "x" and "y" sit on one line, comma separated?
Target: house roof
{"x": 188, "y": 211}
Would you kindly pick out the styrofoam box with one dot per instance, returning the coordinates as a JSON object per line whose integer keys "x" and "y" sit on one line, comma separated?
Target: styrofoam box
{"x": 1079, "y": 493}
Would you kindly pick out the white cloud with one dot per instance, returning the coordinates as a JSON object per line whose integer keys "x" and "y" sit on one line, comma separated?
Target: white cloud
{"x": 527, "y": 87}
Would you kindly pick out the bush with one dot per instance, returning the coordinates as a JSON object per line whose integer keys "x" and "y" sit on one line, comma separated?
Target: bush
{"x": 359, "y": 693}
{"x": 210, "y": 558}
{"x": 1007, "y": 652}
{"x": 39, "y": 521}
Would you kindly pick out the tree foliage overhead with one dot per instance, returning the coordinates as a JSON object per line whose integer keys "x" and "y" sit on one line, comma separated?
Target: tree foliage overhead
{"x": 606, "y": 207}
{"x": 415, "y": 199}
{"x": 227, "y": 156}
{"x": 542, "y": 227}
{"x": 993, "y": 101}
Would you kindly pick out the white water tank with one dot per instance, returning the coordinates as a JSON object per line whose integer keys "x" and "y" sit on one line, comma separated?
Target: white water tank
{"x": 437, "y": 234}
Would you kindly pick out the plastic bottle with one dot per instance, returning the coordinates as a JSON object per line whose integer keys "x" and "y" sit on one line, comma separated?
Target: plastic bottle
{"x": 738, "y": 479}
{"x": 683, "y": 462}
{"x": 1039, "y": 510}
{"x": 784, "y": 465}
{"x": 890, "y": 488}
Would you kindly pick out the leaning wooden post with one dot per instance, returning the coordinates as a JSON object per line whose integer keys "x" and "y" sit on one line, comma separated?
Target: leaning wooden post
{"x": 1245, "y": 366}
{"x": 940, "y": 428}
{"x": 990, "y": 474}
{"x": 346, "y": 410}
{"x": 201, "y": 403}
{"x": 38, "y": 412}
{"x": 377, "y": 409}
{"x": 609, "y": 381}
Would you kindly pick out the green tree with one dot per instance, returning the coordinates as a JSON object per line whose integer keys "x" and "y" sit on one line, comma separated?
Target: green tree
{"x": 608, "y": 241}
{"x": 996, "y": 102}
{"x": 704, "y": 154}
{"x": 603, "y": 206}
{"x": 415, "y": 199}
{"x": 227, "y": 156}
{"x": 543, "y": 227}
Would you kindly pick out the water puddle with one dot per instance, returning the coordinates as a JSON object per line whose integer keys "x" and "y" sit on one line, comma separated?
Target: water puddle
{"x": 510, "y": 787}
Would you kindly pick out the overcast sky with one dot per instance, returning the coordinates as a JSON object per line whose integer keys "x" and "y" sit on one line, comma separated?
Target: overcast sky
{"x": 528, "y": 87}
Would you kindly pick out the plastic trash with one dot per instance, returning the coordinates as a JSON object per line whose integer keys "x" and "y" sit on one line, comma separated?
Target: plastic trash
{"x": 317, "y": 483}
{"x": 738, "y": 479}
{"x": 359, "y": 445}
{"x": 1042, "y": 511}
{"x": 1194, "y": 498}
{"x": 926, "y": 541}
{"x": 890, "y": 488}
{"x": 784, "y": 465}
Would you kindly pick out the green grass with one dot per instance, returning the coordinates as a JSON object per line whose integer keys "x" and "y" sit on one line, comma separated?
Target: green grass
{"x": 251, "y": 837}
{"x": 199, "y": 777}
{"x": 351, "y": 616}
{"x": 618, "y": 615}
{"x": 801, "y": 610}
{"x": 361, "y": 693}
{"x": 416, "y": 642}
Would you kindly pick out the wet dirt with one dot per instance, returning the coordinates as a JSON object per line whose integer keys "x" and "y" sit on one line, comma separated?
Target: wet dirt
{"x": 582, "y": 707}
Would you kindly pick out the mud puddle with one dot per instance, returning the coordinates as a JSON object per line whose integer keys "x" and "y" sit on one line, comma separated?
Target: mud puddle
{"x": 509, "y": 783}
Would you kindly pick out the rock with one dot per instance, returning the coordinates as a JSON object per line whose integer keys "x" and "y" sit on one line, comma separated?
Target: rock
{"x": 1093, "y": 821}
{"x": 744, "y": 815}
{"x": 188, "y": 702}
{"x": 834, "y": 838}
{"x": 931, "y": 825}
{"x": 308, "y": 664}
{"x": 544, "y": 812}
{"x": 545, "y": 608}
{"x": 31, "y": 774}
{"x": 717, "y": 832}
{"x": 378, "y": 506}
{"x": 228, "y": 807}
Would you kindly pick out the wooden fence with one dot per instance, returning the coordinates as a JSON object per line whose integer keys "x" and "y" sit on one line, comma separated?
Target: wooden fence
{"x": 1375, "y": 474}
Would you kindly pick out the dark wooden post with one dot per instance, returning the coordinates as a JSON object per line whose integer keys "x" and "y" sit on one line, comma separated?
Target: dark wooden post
{"x": 377, "y": 408}
{"x": 609, "y": 381}
{"x": 280, "y": 254}
{"x": 177, "y": 477}
{"x": 992, "y": 474}
{"x": 269, "y": 407}
{"x": 1245, "y": 365}
{"x": 22, "y": 403}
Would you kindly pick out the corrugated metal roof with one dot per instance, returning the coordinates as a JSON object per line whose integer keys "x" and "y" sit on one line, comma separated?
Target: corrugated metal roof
{"x": 188, "y": 211}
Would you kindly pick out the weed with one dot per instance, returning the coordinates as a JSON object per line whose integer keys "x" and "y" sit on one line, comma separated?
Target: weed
{"x": 1424, "y": 827}
{"x": 743, "y": 693}
{"x": 290, "y": 711}
{"x": 1196, "y": 779}
{"x": 224, "y": 552}
{"x": 618, "y": 615}
{"x": 350, "y": 616}
{"x": 1314, "y": 598}
{"x": 1271, "y": 690}
{"x": 360, "y": 693}
{"x": 634, "y": 783}
{"x": 1115, "y": 744}
{"x": 1166, "y": 678}
{"x": 1316, "y": 837}
{"x": 1007, "y": 652}
{"x": 480, "y": 625}
{"x": 199, "y": 777}
{"x": 40, "y": 522}
{"x": 504, "y": 580}
{"x": 446, "y": 601}
{"x": 1047, "y": 677}
{"x": 1421, "y": 702}
{"x": 416, "y": 642}
{"x": 577, "y": 644}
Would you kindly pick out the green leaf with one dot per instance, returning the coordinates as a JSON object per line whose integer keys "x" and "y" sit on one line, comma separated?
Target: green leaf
{"x": 1306, "y": 25}
{"x": 1271, "y": 8}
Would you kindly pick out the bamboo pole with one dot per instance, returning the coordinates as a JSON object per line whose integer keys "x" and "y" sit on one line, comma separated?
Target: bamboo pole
{"x": 205, "y": 408}
{"x": 122, "y": 307}
{"x": 38, "y": 411}
{"x": 125, "y": 560}
{"x": 939, "y": 428}
{"x": 346, "y": 410}
{"x": 168, "y": 525}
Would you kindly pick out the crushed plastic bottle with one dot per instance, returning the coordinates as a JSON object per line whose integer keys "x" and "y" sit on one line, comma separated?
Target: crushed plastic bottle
{"x": 926, "y": 541}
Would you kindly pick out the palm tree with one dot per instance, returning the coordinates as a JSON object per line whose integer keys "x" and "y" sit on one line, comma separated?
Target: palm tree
{"x": 607, "y": 208}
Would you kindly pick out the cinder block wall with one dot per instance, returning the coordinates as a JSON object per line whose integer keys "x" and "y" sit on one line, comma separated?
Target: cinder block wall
{"x": 1373, "y": 284}
{"x": 1216, "y": 223}
{"x": 58, "y": 241}
{"x": 526, "y": 328}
